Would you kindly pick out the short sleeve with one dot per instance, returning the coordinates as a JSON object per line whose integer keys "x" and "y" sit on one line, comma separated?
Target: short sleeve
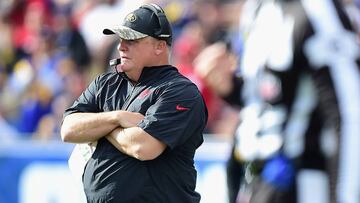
{"x": 87, "y": 101}
{"x": 179, "y": 113}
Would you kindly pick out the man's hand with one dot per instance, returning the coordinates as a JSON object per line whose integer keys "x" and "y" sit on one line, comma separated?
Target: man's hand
{"x": 129, "y": 119}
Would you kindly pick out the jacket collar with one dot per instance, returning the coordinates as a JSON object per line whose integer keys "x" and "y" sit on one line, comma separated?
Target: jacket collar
{"x": 150, "y": 73}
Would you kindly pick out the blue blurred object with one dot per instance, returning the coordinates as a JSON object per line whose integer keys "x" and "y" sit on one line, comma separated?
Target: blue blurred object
{"x": 279, "y": 172}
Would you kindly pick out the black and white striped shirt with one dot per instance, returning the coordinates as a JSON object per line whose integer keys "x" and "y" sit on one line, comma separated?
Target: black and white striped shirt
{"x": 301, "y": 89}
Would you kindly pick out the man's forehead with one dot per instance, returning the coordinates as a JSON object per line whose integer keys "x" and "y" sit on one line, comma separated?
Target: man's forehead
{"x": 145, "y": 39}
{"x": 133, "y": 40}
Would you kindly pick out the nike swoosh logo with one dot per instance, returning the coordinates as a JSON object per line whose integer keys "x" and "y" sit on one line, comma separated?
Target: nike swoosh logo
{"x": 180, "y": 108}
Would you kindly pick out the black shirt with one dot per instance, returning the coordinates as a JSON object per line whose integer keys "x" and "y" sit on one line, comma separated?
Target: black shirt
{"x": 175, "y": 114}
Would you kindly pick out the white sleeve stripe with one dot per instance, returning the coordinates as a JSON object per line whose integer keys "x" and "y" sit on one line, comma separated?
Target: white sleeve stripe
{"x": 341, "y": 51}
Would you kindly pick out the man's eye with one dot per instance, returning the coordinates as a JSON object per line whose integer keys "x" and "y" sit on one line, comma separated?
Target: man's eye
{"x": 129, "y": 42}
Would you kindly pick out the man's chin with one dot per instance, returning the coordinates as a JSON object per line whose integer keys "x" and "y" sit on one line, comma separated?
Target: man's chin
{"x": 125, "y": 67}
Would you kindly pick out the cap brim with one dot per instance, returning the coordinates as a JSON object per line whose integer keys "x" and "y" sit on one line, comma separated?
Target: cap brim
{"x": 125, "y": 33}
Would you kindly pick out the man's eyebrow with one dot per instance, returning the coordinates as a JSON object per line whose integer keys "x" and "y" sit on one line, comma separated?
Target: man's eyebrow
{"x": 132, "y": 40}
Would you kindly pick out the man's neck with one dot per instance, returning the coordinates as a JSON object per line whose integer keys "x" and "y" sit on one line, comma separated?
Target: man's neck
{"x": 135, "y": 74}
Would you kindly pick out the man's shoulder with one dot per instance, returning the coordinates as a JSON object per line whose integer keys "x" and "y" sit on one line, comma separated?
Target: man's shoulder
{"x": 182, "y": 86}
{"x": 105, "y": 77}
{"x": 177, "y": 77}
{"x": 179, "y": 80}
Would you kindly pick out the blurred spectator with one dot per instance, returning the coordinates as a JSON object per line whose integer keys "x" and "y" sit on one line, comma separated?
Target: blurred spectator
{"x": 28, "y": 27}
{"x": 7, "y": 49}
{"x": 299, "y": 88}
{"x": 36, "y": 104}
{"x": 40, "y": 49}
{"x": 67, "y": 37}
{"x": 197, "y": 34}
{"x": 220, "y": 115}
{"x": 49, "y": 125}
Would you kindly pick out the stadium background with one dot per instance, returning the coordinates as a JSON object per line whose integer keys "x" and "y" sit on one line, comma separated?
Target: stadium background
{"x": 51, "y": 49}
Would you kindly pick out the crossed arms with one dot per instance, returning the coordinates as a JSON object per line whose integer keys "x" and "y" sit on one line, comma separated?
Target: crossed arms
{"x": 118, "y": 127}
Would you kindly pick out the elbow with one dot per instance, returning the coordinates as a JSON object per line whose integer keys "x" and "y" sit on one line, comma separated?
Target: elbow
{"x": 144, "y": 157}
{"x": 145, "y": 154}
{"x": 65, "y": 134}
{"x": 138, "y": 153}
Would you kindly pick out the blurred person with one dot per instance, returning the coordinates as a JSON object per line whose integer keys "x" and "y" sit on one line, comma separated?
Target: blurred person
{"x": 68, "y": 39}
{"x": 186, "y": 47}
{"x": 35, "y": 80}
{"x": 31, "y": 20}
{"x": 45, "y": 128}
{"x": 73, "y": 80}
{"x": 48, "y": 127}
{"x": 146, "y": 119}
{"x": 299, "y": 88}
{"x": 7, "y": 49}
{"x": 194, "y": 37}
{"x": 216, "y": 65}
{"x": 35, "y": 104}
{"x": 14, "y": 87}
{"x": 208, "y": 14}
{"x": 30, "y": 37}
{"x": 37, "y": 61}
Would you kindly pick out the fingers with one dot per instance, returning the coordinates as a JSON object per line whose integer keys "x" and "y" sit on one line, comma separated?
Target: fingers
{"x": 129, "y": 119}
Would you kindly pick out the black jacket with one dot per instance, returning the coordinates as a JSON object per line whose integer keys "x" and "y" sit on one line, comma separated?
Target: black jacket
{"x": 175, "y": 114}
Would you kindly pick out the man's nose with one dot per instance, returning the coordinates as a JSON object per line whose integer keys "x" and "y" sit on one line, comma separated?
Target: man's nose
{"x": 122, "y": 46}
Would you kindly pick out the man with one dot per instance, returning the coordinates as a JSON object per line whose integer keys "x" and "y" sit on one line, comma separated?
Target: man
{"x": 299, "y": 88}
{"x": 147, "y": 120}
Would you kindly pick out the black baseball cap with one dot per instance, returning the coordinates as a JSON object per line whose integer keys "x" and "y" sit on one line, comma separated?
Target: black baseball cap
{"x": 147, "y": 20}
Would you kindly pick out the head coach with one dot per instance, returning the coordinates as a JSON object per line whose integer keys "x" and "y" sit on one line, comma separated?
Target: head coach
{"x": 146, "y": 118}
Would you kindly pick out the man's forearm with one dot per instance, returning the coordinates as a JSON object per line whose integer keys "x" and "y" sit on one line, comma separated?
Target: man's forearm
{"x": 136, "y": 142}
{"x": 88, "y": 127}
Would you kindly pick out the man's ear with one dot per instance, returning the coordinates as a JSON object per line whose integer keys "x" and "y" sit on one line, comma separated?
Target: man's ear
{"x": 160, "y": 47}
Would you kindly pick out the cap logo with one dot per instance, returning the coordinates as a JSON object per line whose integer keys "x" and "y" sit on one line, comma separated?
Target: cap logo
{"x": 131, "y": 17}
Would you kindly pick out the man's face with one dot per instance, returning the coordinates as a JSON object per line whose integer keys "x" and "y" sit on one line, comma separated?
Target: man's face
{"x": 136, "y": 54}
